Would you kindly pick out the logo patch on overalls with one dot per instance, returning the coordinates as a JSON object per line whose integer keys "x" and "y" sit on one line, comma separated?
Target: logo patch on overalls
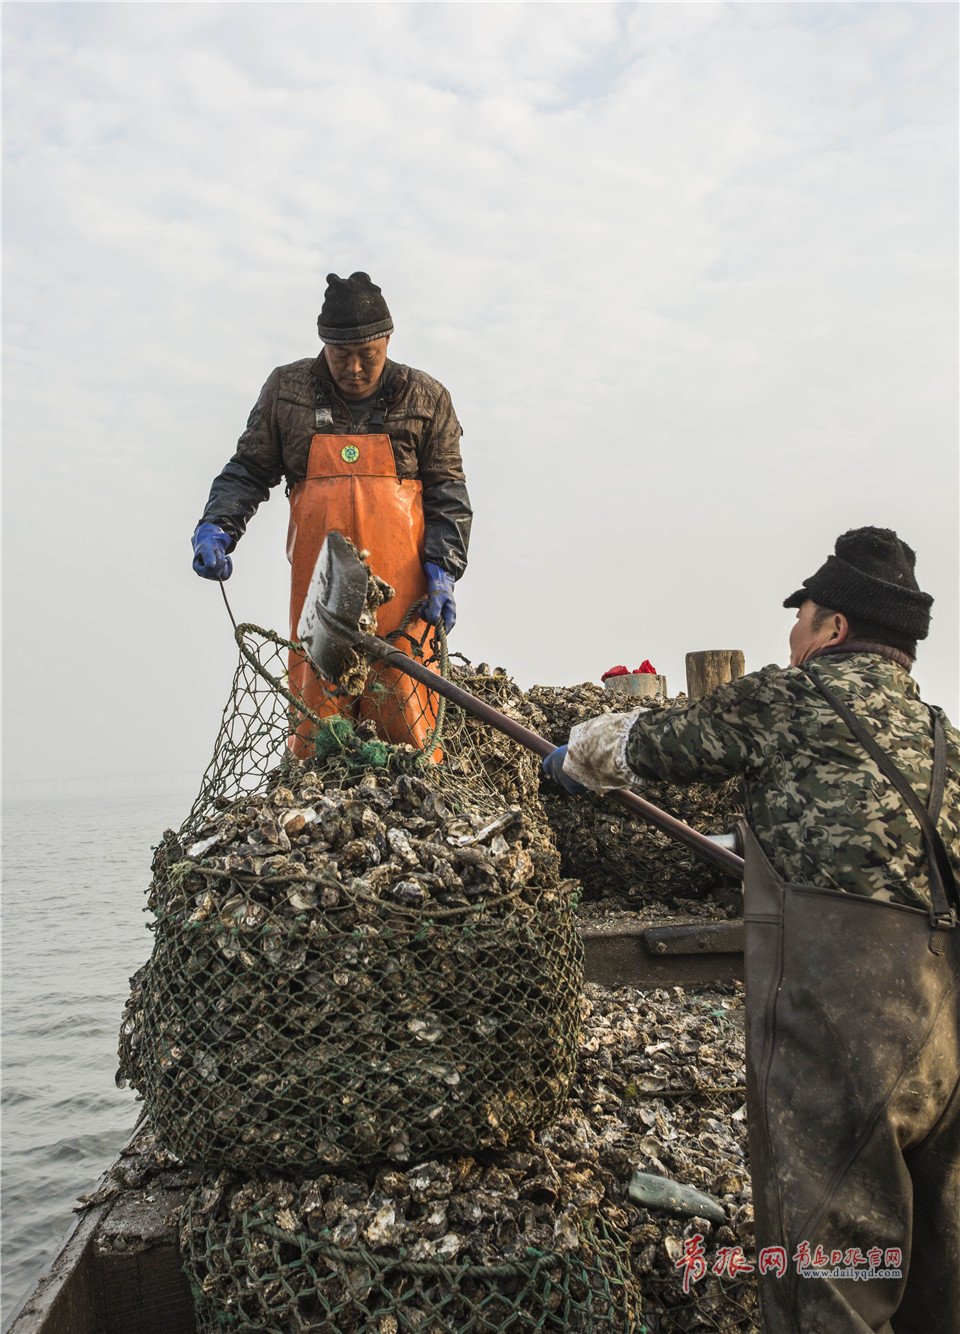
{"x": 349, "y": 453}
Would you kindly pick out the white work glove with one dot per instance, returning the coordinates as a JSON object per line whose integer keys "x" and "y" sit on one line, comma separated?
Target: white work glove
{"x": 596, "y": 752}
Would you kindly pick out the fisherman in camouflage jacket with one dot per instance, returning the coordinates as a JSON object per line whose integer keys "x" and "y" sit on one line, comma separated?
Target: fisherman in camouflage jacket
{"x": 852, "y": 860}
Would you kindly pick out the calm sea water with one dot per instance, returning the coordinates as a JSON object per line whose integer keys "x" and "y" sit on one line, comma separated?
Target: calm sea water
{"x": 75, "y": 869}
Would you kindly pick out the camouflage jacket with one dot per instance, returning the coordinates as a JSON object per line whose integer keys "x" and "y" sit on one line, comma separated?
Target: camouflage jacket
{"x": 822, "y": 811}
{"x": 417, "y": 415}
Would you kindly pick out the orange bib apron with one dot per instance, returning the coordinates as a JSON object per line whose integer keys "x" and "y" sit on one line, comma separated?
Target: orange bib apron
{"x": 351, "y": 486}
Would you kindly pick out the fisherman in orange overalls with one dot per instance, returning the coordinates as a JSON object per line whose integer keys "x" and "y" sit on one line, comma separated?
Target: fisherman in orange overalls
{"x": 368, "y": 448}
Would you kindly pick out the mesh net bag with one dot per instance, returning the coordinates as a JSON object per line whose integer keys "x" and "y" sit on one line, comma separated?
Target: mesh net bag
{"x": 250, "y": 1270}
{"x": 485, "y": 755}
{"x": 358, "y": 954}
{"x": 265, "y": 709}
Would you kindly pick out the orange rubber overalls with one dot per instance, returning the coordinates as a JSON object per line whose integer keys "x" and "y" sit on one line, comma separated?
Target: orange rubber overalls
{"x": 351, "y": 486}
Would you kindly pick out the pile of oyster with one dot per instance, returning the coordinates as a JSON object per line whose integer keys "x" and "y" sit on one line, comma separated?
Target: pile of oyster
{"x": 362, "y": 1016}
{"x": 659, "y": 1087}
{"x": 349, "y": 966}
{"x": 617, "y": 858}
{"x": 353, "y": 849}
{"x": 464, "y": 1210}
{"x": 614, "y": 854}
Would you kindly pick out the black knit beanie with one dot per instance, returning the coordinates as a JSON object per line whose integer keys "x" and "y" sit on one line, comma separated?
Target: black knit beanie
{"x": 354, "y": 311}
{"x": 870, "y": 579}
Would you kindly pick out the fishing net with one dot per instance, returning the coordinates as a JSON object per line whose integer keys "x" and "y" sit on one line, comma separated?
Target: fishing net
{"x": 359, "y": 953}
{"x": 482, "y": 753}
{"x": 250, "y": 1270}
{"x": 266, "y": 707}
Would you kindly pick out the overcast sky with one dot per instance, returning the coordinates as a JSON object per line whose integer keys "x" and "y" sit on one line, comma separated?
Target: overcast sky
{"x": 688, "y": 271}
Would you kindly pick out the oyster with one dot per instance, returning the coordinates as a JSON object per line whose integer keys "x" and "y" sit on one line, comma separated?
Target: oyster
{"x": 344, "y": 983}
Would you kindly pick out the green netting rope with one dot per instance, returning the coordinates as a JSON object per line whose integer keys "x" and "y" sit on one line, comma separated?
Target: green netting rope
{"x": 247, "y": 1274}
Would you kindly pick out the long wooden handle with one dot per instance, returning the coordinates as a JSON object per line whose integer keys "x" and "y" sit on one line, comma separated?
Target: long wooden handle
{"x": 676, "y": 829}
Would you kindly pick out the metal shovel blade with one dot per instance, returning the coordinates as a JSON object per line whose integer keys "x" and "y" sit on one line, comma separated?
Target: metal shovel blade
{"x": 330, "y": 622}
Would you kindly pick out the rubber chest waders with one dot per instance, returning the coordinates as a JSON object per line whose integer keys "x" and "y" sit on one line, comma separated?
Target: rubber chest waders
{"x": 351, "y": 485}
{"x": 853, "y": 1097}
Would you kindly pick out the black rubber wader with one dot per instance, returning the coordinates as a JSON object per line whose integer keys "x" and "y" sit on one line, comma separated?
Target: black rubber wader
{"x": 853, "y": 1102}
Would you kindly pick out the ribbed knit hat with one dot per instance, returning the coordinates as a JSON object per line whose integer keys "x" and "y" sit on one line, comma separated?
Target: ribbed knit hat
{"x": 870, "y": 579}
{"x": 354, "y": 311}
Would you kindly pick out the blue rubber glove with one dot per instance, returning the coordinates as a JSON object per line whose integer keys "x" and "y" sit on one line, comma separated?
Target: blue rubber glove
{"x": 210, "y": 559}
{"x": 553, "y": 768}
{"x": 440, "y": 600}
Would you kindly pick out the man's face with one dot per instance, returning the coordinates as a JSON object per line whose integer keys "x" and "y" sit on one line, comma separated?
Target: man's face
{"x": 805, "y": 639}
{"x": 356, "y": 367}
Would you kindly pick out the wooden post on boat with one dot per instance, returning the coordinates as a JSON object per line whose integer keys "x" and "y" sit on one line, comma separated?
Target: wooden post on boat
{"x": 711, "y": 668}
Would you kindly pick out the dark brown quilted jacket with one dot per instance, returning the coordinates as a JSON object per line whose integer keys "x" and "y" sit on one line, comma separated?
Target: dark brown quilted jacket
{"x": 417, "y": 415}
